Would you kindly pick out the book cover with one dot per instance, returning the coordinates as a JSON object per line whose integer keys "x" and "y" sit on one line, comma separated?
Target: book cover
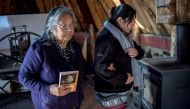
{"x": 69, "y": 77}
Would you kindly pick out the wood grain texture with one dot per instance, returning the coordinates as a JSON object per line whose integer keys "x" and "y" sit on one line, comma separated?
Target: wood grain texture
{"x": 183, "y": 11}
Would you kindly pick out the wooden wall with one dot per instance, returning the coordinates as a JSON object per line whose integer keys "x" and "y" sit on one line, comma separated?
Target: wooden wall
{"x": 93, "y": 12}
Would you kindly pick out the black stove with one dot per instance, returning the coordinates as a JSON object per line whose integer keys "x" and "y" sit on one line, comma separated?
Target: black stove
{"x": 167, "y": 84}
{"x": 167, "y": 80}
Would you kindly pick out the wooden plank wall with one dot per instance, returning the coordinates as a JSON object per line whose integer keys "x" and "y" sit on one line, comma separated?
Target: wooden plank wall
{"x": 146, "y": 15}
{"x": 183, "y": 11}
{"x": 156, "y": 41}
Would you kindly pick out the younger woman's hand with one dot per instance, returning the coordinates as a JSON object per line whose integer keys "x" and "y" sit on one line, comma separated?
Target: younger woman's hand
{"x": 130, "y": 79}
{"x": 62, "y": 90}
{"x": 132, "y": 52}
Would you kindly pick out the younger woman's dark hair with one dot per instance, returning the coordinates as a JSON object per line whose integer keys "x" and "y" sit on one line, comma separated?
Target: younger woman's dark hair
{"x": 112, "y": 11}
{"x": 124, "y": 10}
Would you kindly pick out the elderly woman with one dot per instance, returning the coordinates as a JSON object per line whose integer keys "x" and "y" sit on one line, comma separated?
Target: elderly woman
{"x": 115, "y": 58}
{"x": 46, "y": 58}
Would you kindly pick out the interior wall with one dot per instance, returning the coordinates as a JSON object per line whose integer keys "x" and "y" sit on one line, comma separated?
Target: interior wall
{"x": 34, "y": 22}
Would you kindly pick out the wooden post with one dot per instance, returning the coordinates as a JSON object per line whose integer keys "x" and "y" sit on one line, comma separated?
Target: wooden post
{"x": 84, "y": 48}
{"x": 92, "y": 42}
{"x": 173, "y": 48}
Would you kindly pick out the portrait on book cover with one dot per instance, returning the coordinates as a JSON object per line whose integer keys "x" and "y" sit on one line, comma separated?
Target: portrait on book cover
{"x": 70, "y": 78}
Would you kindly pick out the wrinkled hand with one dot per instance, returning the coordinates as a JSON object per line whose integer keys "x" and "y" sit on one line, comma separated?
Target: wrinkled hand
{"x": 59, "y": 91}
{"x": 130, "y": 79}
{"x": 132, "y": 52}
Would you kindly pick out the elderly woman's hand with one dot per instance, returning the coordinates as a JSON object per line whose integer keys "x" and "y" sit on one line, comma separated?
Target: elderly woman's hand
{"x": 62, "y": 90}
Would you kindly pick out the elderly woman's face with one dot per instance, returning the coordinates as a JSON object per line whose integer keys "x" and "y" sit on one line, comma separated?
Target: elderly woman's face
{"x": 64, "y": 29}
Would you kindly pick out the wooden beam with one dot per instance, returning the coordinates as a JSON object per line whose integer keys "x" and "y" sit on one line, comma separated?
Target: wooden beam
{"x": 183, "y": 11}
{"x": 152, "y": 18}
{"x": 141, "y": 17}
{"x": 41, "y": 6}
{"x": 149, "y": 17}
{"x": 85, "y": 11}
{"x": 68, "y": 4}
{"x": 78, "y": 14}
{"x": 102, "y": 13}
{"x": 165, "y": 11}
{"x": 109, "y": 3}
{"x": 7, "y": 6}
{"x": 97, "y": 17}
{"x": 117, "y": 2}
{"x": 48, "y": 5}
{"x": 105, "y": 7}
{"x": 1, "y": 7}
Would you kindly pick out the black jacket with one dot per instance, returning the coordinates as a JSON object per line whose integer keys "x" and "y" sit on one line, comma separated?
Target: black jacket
{"x": 108, "y": 50}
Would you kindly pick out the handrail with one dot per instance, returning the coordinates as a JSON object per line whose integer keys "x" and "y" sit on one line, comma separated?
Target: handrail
{"x": 19, "y": 33}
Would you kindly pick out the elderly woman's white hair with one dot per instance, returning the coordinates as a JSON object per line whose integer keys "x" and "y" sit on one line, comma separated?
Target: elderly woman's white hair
{"x": 53, "y": 18}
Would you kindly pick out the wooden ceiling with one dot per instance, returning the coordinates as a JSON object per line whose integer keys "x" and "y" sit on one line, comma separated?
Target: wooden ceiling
{"x": 90, "y": 12}
{"x": 87, "y": 11}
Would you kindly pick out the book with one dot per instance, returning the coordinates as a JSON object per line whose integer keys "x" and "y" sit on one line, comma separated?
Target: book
{"x": 70, "y": 78}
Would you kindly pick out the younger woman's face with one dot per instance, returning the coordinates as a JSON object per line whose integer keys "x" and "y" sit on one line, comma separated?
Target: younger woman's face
{"x": 64, "y": 29}
{"x": 126, "y": 26}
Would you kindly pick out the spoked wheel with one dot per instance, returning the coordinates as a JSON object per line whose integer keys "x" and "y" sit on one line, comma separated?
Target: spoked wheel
{"x": 19, "y": 43}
